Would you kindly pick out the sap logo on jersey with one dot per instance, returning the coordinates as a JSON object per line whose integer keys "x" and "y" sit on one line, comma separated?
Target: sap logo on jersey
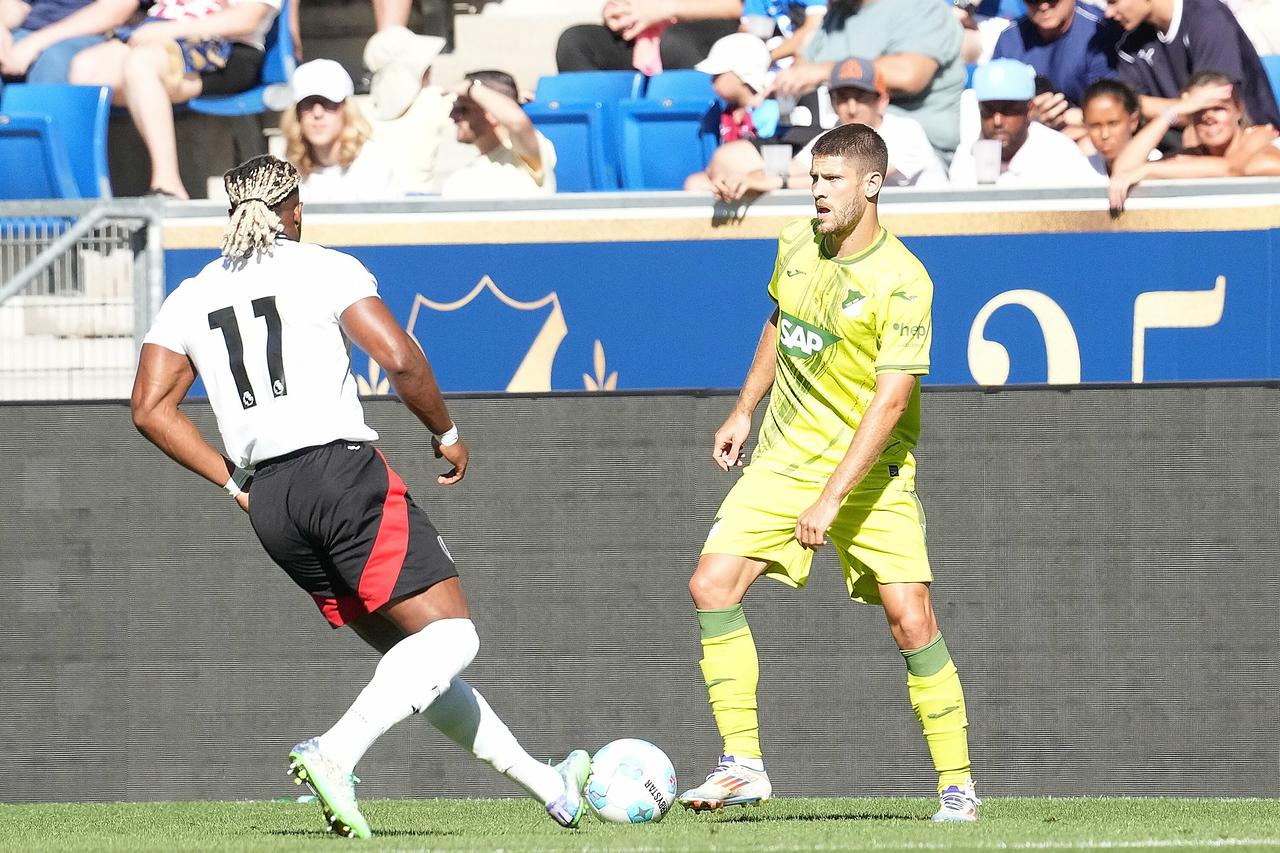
{"x": 800, "y": 339}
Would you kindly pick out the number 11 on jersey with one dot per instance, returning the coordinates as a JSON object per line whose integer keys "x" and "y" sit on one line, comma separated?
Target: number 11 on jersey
{"x": 224, "y": 319}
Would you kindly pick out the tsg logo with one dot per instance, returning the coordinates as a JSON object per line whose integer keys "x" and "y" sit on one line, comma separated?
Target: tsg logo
{"x": 800, "y": 339}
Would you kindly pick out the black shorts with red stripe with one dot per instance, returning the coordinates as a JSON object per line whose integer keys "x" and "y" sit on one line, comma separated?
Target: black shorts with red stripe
{"x": 341, "y": 523}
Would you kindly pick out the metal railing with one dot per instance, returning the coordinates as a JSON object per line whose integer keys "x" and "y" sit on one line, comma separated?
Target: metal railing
{"x": 79, "y": 283}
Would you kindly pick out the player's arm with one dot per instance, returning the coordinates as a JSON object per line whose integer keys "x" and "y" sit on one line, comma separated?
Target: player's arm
{"x": 893, "y": 394}
{"x": 163, "y": 379}
{"x": 371, "y": 326}
{"x": 731, "y": 436}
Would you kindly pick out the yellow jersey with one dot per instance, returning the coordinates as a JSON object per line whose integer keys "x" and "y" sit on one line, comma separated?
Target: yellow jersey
{"x": 841, "y": 321}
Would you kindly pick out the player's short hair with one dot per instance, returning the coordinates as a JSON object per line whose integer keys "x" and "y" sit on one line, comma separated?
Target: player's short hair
{"x": 1109, "y": 87}
{"x": 499, "y": 80}
{"x": 256, "y": 189}
{"x": 855, "y": 142}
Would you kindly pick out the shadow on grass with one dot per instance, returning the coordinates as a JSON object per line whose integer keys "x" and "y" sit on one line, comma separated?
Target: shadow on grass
{"x": 384, "y": 833}
{"x": 784, "y": 818}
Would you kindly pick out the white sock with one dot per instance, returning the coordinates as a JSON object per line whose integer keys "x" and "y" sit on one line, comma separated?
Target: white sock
{"x": 410, "y": 676}
{"x": 463, "y": 716}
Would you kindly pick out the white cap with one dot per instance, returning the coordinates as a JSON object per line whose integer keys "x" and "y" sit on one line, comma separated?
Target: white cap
{"x": 321, "y": 78}
{"x": 743, "y": 54}
{"x": 398, "y": 58}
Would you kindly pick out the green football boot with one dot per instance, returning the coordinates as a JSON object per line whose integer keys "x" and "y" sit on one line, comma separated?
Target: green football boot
{"x": 567, "y": 809}
{"x": 334, "y": 788}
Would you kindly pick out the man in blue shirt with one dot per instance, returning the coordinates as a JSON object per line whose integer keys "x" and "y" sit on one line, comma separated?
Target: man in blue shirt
{"x": 1071, "y": 45}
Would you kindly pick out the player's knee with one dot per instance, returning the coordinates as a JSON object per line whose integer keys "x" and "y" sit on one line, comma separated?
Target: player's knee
{"x": 460, "y": 636}
{"x": 913, "y": 629}
{"x": 709, "y": 591}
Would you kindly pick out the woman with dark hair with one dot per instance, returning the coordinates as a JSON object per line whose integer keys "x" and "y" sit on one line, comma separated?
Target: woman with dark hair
{"x": 1111, "y": 118}
{"x": 1227, "y": 142}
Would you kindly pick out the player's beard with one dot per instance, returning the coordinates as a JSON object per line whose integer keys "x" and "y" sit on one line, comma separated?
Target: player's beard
{"x": 844, "y": 219}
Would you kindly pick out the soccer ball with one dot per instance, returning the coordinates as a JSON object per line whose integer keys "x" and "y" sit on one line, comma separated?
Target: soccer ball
{"x": 632, "y": 781}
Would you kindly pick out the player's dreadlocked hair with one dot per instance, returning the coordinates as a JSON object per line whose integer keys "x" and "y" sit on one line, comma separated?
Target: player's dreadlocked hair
{"x": 255, "y": 188}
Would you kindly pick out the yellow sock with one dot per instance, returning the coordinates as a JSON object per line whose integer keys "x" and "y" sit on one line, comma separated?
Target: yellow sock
{"x": 934, "y": 687}
{"x": 731, "y": 670}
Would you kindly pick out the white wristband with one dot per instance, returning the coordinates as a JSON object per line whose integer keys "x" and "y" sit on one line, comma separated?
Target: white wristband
{"x": 238, "y": 479}
{"x": 450, "y": 436}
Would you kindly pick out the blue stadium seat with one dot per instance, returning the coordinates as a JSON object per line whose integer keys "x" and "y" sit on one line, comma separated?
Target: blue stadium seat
{"x": 35, "y": 160}
{"x": 277, "y": 67}
{"x": 683, "y": 84}
{"x": 969, "y": 68}
{"x": 1271, "y": 63}
{"x": 577, "y": 111}
{"x": 581, "y": 132}
{"x": 589, "y": 86}
{"x": 665, "y": 141}
{"x": 81, "y": 114}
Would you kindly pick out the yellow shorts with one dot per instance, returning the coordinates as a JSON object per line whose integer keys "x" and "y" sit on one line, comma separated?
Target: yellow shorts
{"x": 879, "y": 533}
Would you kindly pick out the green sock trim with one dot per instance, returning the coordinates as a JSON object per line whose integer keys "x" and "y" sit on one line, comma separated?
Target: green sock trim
{"x": 929, "y": 659}
{"x": 721, "y": 621}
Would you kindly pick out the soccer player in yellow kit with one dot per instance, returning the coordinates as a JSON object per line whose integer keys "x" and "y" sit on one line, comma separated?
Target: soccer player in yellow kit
{"x": 842, "y": 353}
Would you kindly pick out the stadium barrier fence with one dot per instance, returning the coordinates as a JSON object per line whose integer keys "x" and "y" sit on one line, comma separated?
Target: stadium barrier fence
{"x": 1030, "y": 286}
{"x": 77, "y": 282}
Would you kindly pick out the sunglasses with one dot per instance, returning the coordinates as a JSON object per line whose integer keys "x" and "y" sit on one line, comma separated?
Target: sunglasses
{"x": 306, "y": 105}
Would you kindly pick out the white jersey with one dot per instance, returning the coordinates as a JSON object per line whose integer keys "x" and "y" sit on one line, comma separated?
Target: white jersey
{"x": 265, "y": 339}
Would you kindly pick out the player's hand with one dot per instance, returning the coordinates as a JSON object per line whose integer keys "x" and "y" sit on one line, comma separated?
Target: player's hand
{"x": 243, "y": 500}
{"x": 727, "y": 448}
{"x": 455, "y": 453}
{"x": 6, "y": 43}
{"x": 811, "y": 526}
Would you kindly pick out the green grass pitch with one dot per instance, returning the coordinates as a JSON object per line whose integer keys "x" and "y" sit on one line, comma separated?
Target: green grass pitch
{"x": 784, "y": 824}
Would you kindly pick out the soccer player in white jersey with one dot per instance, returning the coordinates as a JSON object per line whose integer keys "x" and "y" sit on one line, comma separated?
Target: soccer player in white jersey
{"x": 267, "y": 327}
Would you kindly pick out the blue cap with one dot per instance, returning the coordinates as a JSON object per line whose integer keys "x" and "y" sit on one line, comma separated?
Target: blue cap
{"x": 1004, "y": 80}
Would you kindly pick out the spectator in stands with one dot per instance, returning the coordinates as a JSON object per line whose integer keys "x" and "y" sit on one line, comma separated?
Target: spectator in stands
{"x": 916, "y": 47}
{"x": 858, "y": 96}
{"x": 31, "y": 48}
{"x": 739, "y": 69}
{"x": 1071, "y": 45}
{"x": 409, "y": 116}
{"x": 1166, "y": 42}
{"x": 648, "y": 35}
{"x": 1228, "y": 145}
{"x": 327, "y": 139}
{"x": 785, "y": 25}
{"x": 739, "y": 66}
{"x": 182, "y": 50}
{"x": 1030, "y": 153}
{"x": 1111, "y": 117}
{"x": 514, "y": 159}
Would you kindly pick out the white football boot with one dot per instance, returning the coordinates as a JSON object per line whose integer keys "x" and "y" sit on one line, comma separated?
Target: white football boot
{"x": 958, "y": 804}
{"x": 730, "y": 784}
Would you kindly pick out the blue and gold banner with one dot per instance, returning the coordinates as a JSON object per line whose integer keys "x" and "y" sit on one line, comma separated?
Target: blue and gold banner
{"x": 612, "y": 298}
